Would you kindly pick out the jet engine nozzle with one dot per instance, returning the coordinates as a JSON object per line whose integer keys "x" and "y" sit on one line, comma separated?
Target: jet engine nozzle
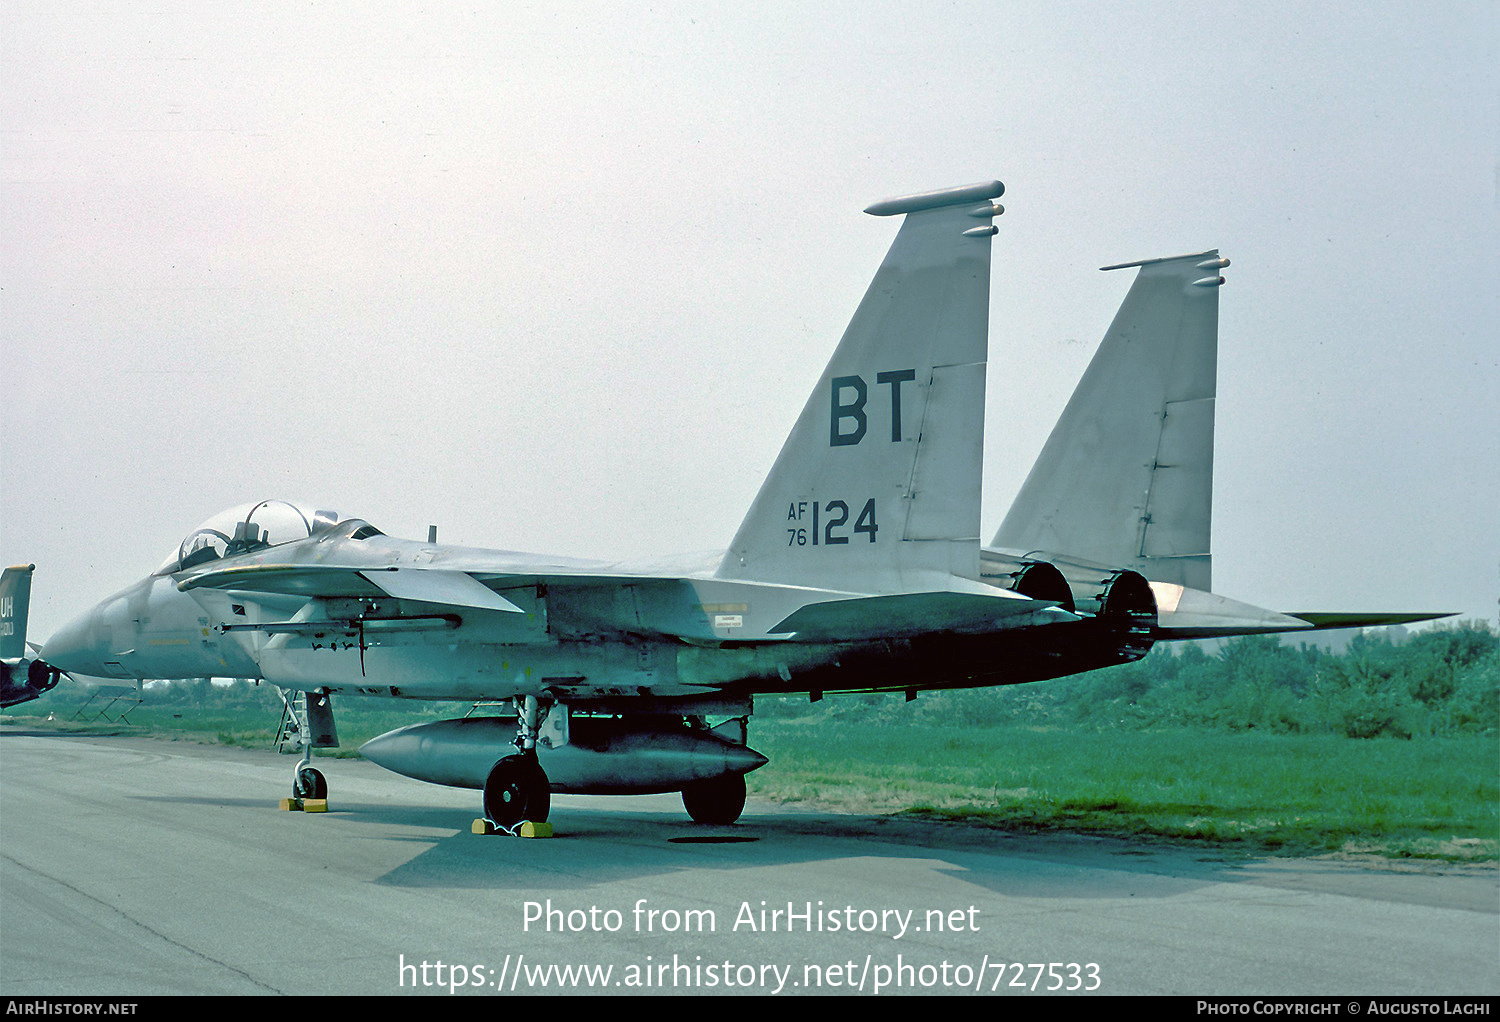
{"x": 1127, "y": 611}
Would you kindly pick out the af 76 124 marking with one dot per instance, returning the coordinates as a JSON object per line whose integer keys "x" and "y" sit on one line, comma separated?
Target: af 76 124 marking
{"x": 834, "y": 516}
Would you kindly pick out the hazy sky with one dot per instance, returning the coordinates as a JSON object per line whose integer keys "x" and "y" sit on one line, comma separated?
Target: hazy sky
{"x": 559, "y": 277}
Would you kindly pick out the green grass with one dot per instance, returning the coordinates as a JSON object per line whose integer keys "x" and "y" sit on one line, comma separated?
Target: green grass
{"x": 1433, "y": 797}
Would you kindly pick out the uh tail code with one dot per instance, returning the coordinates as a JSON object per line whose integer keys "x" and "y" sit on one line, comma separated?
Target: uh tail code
{"x": 827, "y": 524}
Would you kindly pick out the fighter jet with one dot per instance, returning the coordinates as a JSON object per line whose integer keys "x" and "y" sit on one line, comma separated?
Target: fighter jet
{"x": 858, "y": 568}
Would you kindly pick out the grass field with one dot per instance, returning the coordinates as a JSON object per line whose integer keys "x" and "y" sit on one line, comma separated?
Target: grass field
{"x": 1433, "y": 797}
{"x": 1436, "y": 797}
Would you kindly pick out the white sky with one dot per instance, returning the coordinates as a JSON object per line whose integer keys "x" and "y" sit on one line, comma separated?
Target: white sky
{"x": 559, "y": 277}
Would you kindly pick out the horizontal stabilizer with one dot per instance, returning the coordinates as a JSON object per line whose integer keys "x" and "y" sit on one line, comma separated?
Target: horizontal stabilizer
{"x": 906, "y": 614}
{"x": 1323, "y": 620}
{"x": 1184, "y": 613}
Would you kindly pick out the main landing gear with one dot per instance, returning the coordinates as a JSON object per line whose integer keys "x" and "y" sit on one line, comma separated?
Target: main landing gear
{"x": 718, "y": 801}
{"x": 611, "y": 755}
{"x": 517, "y": 789}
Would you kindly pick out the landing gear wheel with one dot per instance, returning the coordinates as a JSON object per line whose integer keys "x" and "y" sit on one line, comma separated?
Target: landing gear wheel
{"x": 309, "y": 783}
{"x": 718, "y": 801}
{"x": 516, "y": 790}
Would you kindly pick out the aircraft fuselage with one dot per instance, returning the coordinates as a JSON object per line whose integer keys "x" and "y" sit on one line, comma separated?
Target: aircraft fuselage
{"x": 578, "y": 644}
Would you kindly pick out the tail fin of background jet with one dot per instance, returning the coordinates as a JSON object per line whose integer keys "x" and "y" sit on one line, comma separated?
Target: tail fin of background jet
{"x": 877, "y": 488}
{"x": 22, "y": 677}
{"x": 1126, "y": 478}
{"x": 15, "y": 598}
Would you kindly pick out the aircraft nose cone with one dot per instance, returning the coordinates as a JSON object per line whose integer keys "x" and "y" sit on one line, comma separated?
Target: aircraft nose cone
{"x": 71, "y": 648}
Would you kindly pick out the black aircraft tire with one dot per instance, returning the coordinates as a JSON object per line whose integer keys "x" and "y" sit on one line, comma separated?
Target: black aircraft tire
{"x": 516, "y": 790}
{"x": 310, "y": 783}
{"x": 716, "y": 802}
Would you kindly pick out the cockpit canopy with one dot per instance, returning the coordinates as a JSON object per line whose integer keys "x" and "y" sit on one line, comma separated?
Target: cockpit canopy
{"x": 245, "y": 529}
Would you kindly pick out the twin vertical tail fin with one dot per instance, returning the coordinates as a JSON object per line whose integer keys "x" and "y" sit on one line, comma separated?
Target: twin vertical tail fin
{"x": 876, "y": 490}
{"x": 1126, "y": 478}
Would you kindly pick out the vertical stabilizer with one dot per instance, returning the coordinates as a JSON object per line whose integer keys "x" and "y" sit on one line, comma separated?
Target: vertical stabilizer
{"x": 22, "y": 677}
{"x": 1126, "y": 478}
{"x": 877, "y": 488}
{"x": 15, "y": 599}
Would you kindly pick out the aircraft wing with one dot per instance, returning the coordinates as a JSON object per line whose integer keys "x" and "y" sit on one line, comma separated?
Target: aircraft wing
{"x": 692, "y": 609}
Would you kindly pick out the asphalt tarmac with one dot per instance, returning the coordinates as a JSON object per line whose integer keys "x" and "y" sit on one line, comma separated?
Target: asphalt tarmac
{"x": 130, "y": 866}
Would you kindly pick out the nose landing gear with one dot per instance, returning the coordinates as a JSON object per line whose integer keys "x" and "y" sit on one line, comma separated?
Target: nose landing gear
{"x": 307, "y": 721}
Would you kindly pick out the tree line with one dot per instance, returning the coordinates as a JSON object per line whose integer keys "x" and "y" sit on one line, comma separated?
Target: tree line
{"x": 1441, "y": 681}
